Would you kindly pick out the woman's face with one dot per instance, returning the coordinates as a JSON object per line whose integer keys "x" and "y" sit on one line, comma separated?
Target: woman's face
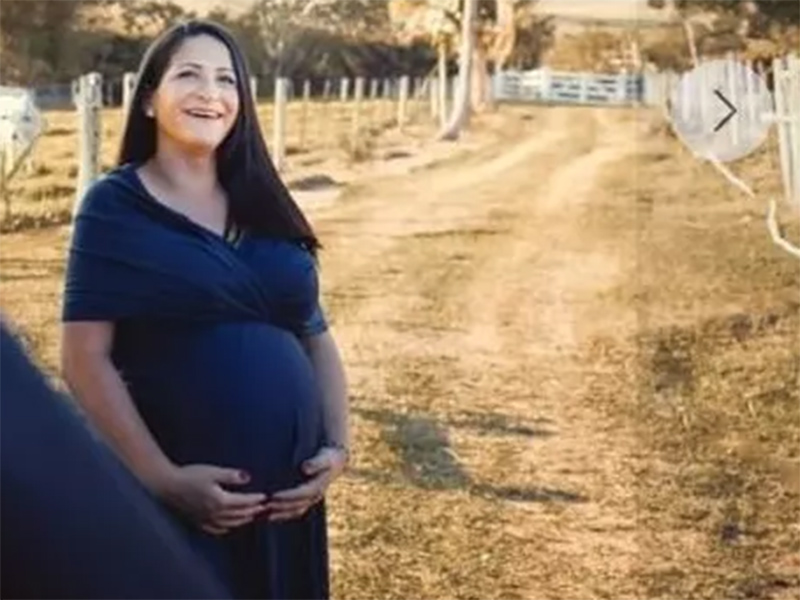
{"x": 196, "y": 103}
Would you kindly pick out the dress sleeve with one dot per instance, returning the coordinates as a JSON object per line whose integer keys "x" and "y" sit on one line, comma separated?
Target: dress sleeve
{"x": 95, "y": 284}
{"x": 315, "y": 320}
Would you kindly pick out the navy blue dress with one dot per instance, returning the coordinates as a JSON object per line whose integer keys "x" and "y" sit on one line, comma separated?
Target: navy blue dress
{"x": 208, "y": 343}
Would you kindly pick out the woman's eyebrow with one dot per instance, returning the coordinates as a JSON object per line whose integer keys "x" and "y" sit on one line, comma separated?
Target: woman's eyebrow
{"x": 199, "y": 66}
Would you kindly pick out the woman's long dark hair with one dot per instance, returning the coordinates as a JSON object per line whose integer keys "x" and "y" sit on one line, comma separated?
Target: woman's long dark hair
{"x": 258, "y": 199}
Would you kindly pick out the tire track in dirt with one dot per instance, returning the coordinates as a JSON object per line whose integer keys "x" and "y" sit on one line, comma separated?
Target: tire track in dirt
{"x": 470, "y": 317}
{"x": 544, "y": 319}
{"x": 396, "y": 310}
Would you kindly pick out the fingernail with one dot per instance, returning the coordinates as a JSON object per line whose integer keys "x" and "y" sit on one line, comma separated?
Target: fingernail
{"x": 244, "y": 475}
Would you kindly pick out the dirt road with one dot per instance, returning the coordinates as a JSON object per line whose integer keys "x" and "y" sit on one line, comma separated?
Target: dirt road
{"x": 463, "y": 298}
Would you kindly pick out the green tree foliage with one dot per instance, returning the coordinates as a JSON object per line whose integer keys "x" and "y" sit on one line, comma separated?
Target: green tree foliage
{"x": 54, "y": 41}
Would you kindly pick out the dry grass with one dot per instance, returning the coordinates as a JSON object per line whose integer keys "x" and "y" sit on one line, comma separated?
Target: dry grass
{"x": 717, "y": 375}
{"x": 320, "y": 136}
{"x": 574, "y": 358}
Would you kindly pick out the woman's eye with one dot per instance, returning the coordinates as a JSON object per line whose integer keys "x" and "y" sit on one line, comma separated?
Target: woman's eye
{"x": 228, "y": 80}
{"x": 183, "y": 74}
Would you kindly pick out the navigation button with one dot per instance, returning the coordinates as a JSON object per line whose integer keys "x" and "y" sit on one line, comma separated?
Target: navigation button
{"x": 722, "y": 109}
{"x": 728, "y": 117}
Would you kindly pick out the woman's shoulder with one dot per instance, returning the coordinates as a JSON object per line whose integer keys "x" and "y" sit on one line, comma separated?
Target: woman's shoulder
{"x": 116, "y": 184}
{"x": 118, "y": 178}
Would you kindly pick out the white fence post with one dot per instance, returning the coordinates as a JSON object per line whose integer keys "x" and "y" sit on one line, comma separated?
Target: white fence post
{"x": 782, "y": 112}
{"x": 547, "y": 83}
{"x": 344, "y": 90}
{"x": 386, "y": 106}
{"x": 433, "y": 91}
{"x": 403, "y": 100}
{"x": 793, "y": 87}
{"x": 128, "y": 87}
{"x": 87, "y": 94}
{"x": 622, "y": 87}
{"x": 786, "y": 73}
{"x": 254, "y": 88}
{"x": 279, "y": 123}
{"x": 356, "y": 124}
{"x": 304, "y": 112}
{"x": 584, "y": 83}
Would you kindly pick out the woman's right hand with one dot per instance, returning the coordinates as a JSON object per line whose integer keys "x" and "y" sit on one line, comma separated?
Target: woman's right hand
{"x": 197, "y": 491}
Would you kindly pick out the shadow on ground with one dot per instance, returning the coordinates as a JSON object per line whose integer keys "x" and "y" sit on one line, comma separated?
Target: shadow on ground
{"x": 429, "y": 461}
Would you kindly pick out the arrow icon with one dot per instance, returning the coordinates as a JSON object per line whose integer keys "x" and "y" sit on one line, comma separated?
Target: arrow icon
{"x": 729, "y": 116}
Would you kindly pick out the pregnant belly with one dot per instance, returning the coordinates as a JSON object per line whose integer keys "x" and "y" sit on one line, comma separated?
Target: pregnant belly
{"x": 243, "y": 396}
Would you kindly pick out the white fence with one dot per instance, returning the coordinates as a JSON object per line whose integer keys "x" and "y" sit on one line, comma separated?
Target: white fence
{"x": 337, "y": 115}
{"x": 787, "y": 116}
{"x": 564, "y": 87}
{"x": 784, "y": 111}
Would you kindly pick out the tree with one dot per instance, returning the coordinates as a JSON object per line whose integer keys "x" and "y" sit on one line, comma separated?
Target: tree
{"x": 461, "y": 109}
{"x": 719, "y": 25}
{"x": 150, "y": 17}
{"x": 291, "y": 31}
{"x": 38, "y": 39}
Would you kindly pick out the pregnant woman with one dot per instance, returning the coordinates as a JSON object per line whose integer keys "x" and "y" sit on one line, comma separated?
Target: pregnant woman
{"x": 193, "y": 337}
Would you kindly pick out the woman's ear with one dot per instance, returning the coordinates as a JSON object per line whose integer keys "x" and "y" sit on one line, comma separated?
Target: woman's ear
{"x": 147, "y": 106}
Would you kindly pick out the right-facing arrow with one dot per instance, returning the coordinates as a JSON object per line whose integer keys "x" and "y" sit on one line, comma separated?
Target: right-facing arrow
{"x": 729, "y": 116}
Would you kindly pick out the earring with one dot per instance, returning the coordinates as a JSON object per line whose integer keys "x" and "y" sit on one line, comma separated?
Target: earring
{"x": 149, "y": 112}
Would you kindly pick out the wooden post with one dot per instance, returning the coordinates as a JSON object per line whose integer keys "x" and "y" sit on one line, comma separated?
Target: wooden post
{"x": 279, "y": 123}
{"x": 87, "y": 94}
{"x": 793, "y": 90}
{"x": 356, "y": 123}
{"x": 622, "y": 87}
{"x": 386, "y": 105}
{"x": 374, "y": 104}
{"x": 422, "y": 95}
{"x": 254, "y": 88}
{"x": 304, "y": 112}
{"x": 321, "y": 116}
{"x": 432, "y": 97}
{"x": 402, "y": 103}
{"x": 128, "y": 87}
{"x": 6, "y": 197}
{"x": 584, "y": 94}
{"x": 792, "y": 99}
{"x": 786, "y": 73}
{"x": 344, "y": 90}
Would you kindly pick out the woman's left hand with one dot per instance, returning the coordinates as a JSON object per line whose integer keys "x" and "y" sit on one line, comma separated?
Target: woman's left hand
{"x": 324, "y": 468}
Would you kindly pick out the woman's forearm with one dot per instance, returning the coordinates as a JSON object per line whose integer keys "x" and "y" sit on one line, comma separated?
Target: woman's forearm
{"x": 330, "y": 373}
{"x": 100, "y": 391}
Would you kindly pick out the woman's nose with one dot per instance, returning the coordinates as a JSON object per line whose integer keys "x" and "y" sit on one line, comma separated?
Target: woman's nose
{"x": 208, "y": 88}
